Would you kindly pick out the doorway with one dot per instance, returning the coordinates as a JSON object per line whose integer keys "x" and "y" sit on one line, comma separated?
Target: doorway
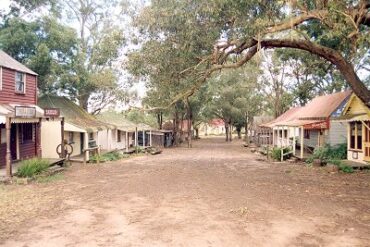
{"x": 13, "y": 142}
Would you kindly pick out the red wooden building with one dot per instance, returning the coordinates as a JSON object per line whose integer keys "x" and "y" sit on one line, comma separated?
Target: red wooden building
{"x": 20, "y": 117}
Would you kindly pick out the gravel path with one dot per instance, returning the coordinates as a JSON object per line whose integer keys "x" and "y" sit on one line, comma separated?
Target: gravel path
{"x": 215, "y": 194}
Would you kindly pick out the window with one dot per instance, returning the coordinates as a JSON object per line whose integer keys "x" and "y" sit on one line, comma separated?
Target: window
{"x": 3, "y": 136}
{"x": 91, "y": 136}
{"x": 20, "y": 82}
{"x": 27, "y": 132}
{"x": 306, "y": 134}
{"x": 71, "y": 137}
{"x": 119, "y": 133}
{"x": 356, "y": 136}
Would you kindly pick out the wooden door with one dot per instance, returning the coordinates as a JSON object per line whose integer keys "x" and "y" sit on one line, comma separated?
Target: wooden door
{"x": 366, "y": 141}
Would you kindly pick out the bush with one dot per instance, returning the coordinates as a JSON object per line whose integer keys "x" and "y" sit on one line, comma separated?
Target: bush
{"x": 329, "y": 153}
{"x": 111, "y": 156}
{"x": 276, "y": 153}
{"x": 32, "y": 167}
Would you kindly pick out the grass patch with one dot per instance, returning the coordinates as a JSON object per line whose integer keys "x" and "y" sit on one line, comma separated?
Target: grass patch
{"x": 32, "y": 167}
{"x": 48, "y": 179}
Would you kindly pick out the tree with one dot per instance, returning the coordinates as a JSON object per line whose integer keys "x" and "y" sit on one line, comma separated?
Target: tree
{"x": 235, "y": 98}
{"x": 44, "y": 45}
{"x": 335, "y": 30}
{"x": 94, "y": 67}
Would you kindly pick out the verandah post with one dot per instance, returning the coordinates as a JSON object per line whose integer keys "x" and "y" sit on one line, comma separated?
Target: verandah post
{"x": 8, "y": 160}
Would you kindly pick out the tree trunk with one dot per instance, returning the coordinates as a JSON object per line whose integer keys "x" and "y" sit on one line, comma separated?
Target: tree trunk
{"x": 230, "y": 133}
{"x": 160, "y": 120}
{"x": 227, "y": 132}
{"x": 83, "y": 101}
{"x": 239, "y": 130}
{"x": 189, "y": 113}
{"x": 197, "y": 133}
{"x": 175, "y": 128}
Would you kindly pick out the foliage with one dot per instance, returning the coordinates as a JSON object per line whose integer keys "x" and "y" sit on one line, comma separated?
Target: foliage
{"x": 32, "y": 167}
{"x": 111, "y": 156}
{"x": 276, "y": 153}
{"x": 329, "y": 153}
{"x": 346, "y": 169}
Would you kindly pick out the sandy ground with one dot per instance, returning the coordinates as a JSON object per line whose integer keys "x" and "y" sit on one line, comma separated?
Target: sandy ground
{"x": 216, "y": 194}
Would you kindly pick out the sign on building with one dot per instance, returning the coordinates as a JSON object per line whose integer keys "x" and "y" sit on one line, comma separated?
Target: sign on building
{"x": 25, "y": 111}
{"x": 52, "y": 112}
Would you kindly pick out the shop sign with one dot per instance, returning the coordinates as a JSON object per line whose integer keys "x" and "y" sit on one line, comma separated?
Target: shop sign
{"x": 25, "y": 112}
{"x": 52, "y": 112}
{"x": 317, "y": 125}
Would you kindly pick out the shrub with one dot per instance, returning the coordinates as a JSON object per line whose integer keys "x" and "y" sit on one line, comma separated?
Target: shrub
{"x": 276, "y": 153}
{"x": 111, "y": 156}
{"x": 32, "y": 167}
{"x": 329, "y": 153}
{"x": 345, "y": 168}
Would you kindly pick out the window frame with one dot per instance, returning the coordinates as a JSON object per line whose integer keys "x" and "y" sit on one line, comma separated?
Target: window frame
{"x": 354, "y": 136}
{"x": 23, "y": 80}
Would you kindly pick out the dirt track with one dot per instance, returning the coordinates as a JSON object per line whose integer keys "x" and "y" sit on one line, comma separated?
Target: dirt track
{"x": 215, "y": 194}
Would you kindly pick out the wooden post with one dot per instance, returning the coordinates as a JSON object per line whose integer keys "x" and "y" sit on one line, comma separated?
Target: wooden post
{"x": 273, "y": 137}
{"x": 136, "y": 140}
{"x": 86, "y": 146}
{"x": 144, "y": 139}
{"x": 127, "y": 141}
{"x": 150, "y": 138}
{"x": 8, "y": 158}
{"x": 38, "y": 139}
{"x": 302, "y": 142}
{"x": 62, "y": 155}
{"x": 294, "y": 130}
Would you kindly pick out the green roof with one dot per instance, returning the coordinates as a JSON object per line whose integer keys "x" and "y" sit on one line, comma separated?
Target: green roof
{"x": 72, "y": 113}
{"x": 119, "y": 120}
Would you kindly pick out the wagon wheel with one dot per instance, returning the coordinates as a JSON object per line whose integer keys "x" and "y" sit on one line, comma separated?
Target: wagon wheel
{"x": 68, "y": 150}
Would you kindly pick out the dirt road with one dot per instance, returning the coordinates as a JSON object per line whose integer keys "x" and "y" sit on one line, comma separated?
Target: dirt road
{"x": 216, "y": 194}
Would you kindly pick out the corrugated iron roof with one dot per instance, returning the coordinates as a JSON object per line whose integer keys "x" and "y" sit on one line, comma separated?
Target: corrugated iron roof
{"x": 9, "y": 62}
{"x": 287, "y": 116}
{"x": 324, "y": 106}
{"x": 119, "y": 120}
{"x": 320, "y": 108}
{"x": 73, "y": 113}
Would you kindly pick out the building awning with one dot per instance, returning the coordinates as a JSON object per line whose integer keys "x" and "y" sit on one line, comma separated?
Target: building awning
{"x": 72, "y": 128}
{"x": 21, "y": 111}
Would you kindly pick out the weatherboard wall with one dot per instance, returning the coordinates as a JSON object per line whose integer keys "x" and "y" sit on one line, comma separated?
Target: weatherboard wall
{"x": 8, "y": 93}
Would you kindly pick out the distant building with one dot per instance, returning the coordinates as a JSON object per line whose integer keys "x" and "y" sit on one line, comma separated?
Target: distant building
{"x": 213, "y": 127}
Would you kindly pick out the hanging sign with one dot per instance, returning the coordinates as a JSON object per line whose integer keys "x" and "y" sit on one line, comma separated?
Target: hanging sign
{"x": 25, "y": 111}
{"x": 51, "y": 112}
{"x": 317, "y": 125}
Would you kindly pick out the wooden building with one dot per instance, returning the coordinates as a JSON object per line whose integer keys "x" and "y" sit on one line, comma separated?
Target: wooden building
{"x": 80, "y": 129}
{"x": 357, "y": 117}
{"x": 20, "y": 117}
{"x": 313, "y": 125}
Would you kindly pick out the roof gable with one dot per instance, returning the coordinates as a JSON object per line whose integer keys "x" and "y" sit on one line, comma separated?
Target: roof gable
{"x": 355, "y": 106}
{"x": 7, "y": 61}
